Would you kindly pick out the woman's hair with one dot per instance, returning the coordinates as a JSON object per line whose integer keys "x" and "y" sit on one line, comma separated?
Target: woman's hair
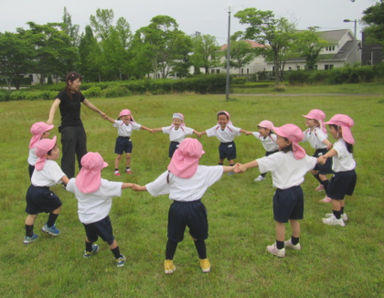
{"x": 349, "y": 146}
{"x": 287, "y": 148}
{"x": 71, "y": 76}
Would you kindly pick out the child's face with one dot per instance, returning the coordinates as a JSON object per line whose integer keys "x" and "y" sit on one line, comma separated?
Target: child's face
{"x": 45, "y": 135}
{"x": 311, "y": 123}
{"x": 335, "y": 132}
{"x": 282, "y": 142}
{"x": 222, "y": 120}
{"x": 55, "y": 153}
{"x": 263, "y": 131}
{"x": 177, "y": 122}
{"x": 126, "y": 118}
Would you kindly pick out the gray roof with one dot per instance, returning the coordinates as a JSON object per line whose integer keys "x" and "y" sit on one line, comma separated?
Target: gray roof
{"x": 333, "y": 35}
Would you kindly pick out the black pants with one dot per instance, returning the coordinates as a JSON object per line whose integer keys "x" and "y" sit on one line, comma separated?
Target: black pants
{"x": 74, "y": 142}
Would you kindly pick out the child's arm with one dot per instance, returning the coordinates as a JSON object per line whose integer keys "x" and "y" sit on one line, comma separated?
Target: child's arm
{"x": 241, "y": 168}
{"x": 227, "y": 169}
{"x": 65, "y": 179}
{"x": 323, "y": 158}
{"x": 137, "y": 187}
{"x": 328, "y": 143}
{"x": 157, "y": 129}
{"x": 126, "y": 185}
{"x": 246, "y": 132}
{"x": 197, "y": 133}
{"x": 106, "y": 117}
{"x": 203, "y": 133}
{"x": 146, "y": 128}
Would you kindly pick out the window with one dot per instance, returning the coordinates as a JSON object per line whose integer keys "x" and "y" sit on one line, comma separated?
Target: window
{"x": 298, "y": 67}
{"x": 217, "y": 70}
{"x": 330, "y": 66}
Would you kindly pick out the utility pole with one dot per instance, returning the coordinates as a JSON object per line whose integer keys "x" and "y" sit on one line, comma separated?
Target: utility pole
{"x": 228, "y": 54}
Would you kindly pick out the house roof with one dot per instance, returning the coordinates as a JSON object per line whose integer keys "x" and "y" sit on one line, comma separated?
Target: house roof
{"x": 253, "y": 44}
{"x": 333, "y": 35}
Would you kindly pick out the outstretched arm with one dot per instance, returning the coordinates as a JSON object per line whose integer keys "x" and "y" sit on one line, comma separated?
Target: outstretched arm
{"x": 106, "y": 117}
{"x": 246, "y": 132}
{"x": 146, "y": 128}
{"x": 138, "y": 187}
{"x": 157, "y": 129}
{"x": 241, "y": 168}
{"x": 323, "y": 158}
{"x": 52, "y": 110}
{"x": 126, "y": 185}
{"x": 93, "y": 107}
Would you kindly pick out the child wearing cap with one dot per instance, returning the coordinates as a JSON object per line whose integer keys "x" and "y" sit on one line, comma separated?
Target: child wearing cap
{"x": 186, "y": 182}
{"x": 39, "y": 197}
{"x": 225, "y": 132}
{"x": 94, "y": 196}
{"x": 177, "y": 132}
{"x": 288, "y": 167}
{"x": 316, "y": 136}
{"x": 268, "y": 139}
{"x": 39, "y": 130}
{"x": 343, "y": 181}
{"x": 125, "y": 124}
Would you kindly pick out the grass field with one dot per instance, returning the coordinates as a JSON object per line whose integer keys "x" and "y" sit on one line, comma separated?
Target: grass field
{"x": 334, "y": 261}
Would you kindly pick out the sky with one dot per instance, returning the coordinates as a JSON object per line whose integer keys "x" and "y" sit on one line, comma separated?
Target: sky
{"x": 204, "y": 16}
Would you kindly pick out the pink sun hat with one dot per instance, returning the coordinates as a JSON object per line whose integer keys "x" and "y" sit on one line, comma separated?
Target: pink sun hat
{"x": 38, "y": 129}
{"x": 186, "y": 158}
{"x": 345, "y": 122}
{"x": 42, "y": 148}
{"x": 266, "y": 124}
{"x": 89, "y": 178}
{"x": 318, "y": 115}
{"x": 294, "y": 134}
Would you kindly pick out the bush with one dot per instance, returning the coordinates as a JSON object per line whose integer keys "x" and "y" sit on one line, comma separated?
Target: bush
{"x": 94, "y": 91}
{"x": 115, "y": 91}
{"x": 4, "y": 95}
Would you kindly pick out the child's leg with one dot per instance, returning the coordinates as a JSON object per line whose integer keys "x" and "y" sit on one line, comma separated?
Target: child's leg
{"x": 170, "y": 249}
{"x": 231, "y": 162}
{"x": 280, "y": 234}
{"x": 128, "y": 162}
{"x": 29, "y": 221}
{"x": 53, "y": 217}
{"x": 117, "y": 161}
{"x": 221, "y": 162}
{"x": 295, "y": 225}
{"x": 201, "y": 248}
{"x": 336, "y": 208}
{"x": 115, "y": 249}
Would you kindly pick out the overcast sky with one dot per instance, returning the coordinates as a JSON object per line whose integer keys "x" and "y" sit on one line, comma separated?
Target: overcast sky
{"x": 205, "y": 16}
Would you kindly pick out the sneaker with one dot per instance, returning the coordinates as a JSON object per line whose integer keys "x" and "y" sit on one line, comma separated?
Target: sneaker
{"x": 326, "y": 200}
{"x": 272, "y": 249}
{"x": 319, "y": 188}
{"x": 88, "y": 254}
{"x": 30, "y": 239}
{"x": 333, "y": 221}
{"x": 259, "y": 178}
{"x": 117, "y": 173}
{"x": 128, "y": 171}
{"x": 53, "y": 231}
{"x": 205, "y": 265}
{"x": 169, "y": 267}
{"x": 288, "y": 244}
{"x": 344, "y": 216}
{"x": 120, "y": 261}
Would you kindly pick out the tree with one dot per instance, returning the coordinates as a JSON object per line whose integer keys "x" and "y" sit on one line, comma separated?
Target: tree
{"x": 102, "y": 23}
{"x": 308, "y": 45}
{"x": 16, "y": 58}
{"x": 205, "y": 52}
{"x": 241, "y": 52}
{"x": 71, "y": 30}
{"x": 276, "y": 34}
{"x": 374, "y": 17}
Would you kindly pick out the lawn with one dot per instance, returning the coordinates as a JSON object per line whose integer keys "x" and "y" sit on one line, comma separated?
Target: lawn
{"x": 334, "y": 261}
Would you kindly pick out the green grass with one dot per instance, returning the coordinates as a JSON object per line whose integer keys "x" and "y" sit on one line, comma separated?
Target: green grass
{"x": 334, "y": 261}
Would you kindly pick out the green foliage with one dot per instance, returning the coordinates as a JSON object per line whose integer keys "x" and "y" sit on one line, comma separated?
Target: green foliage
{"x": 94, "y": 91}
{"x": 205, "y": 52}
{"x": 115, "y": 91}
{"x": 374, "y": 17}
{"x": 4, "y": 95}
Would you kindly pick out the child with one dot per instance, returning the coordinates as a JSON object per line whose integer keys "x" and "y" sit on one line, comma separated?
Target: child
{"x": 288, "y": 167}
{"x": 125, "y": 124}
{"x": 94, "y": 196}
{"x": 343, "y": 181}
{"x": 316, "y": 136}
{"x": 39, "y": 197}
{"x": 39, "y": 130}
{"x": 177, "y": 132}
{"x": 186, "y": 182}
{"x": 225, "y": 133}
{"x": 267, "y": 139}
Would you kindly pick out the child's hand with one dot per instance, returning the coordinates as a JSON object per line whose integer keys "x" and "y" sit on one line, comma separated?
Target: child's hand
{"x": 248, "y": 133}
{"x": 239, "y": 168}
{"x": 137, "y": 187}
{"x": 321, "y": 160}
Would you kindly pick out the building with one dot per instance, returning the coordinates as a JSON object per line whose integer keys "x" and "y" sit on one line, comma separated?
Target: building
{"x": 372, "y": 53}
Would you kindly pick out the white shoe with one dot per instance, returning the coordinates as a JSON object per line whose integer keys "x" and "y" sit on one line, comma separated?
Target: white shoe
{"x": 344, "y": 216}
{"x": 288, "y": 244}
{"x": 272, "y": 249}
{"x": 259, "y": 178}
{"x": 333, "y": 221}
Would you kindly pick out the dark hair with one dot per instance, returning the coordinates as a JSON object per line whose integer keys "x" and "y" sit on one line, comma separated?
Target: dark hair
{"x": 71, "y": 76}
{"x": 287, "y": 148}
{"x": 348, "y": 145}
{"x": 222, "y": 113}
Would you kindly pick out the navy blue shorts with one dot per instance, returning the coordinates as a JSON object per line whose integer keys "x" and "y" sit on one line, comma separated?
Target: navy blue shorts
{"x": 325, "y": 168}
{"x": 192, "y": 214}
{"x": 102, "y": 228}
{"x": 123, "y": 144}
{"x": 341, "y": 184}
{"x": 227, "y": 150}
{"x": 288, "y": 204}
{"x": 41, "y": 199}
{"x": 172, "y": 148}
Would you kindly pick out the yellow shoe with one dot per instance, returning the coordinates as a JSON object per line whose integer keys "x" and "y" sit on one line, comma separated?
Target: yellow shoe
{"x": 169, "y": 267}
{"x": 205, "y": 265}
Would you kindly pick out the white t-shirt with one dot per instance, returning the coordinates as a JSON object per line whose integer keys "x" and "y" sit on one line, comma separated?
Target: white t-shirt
{"x": 285, "y": 169}
{"x": 95, "y": 206}
{"x": 32, "y": 157}
{"x": 177, "y": 135}
{"x": 225, "y": 135}
{"x": 315, "y": 138}
{"x": 268, "y": 142}
{"x": 50, "y": 175}
{"x": 124, "y": 130}
{"x": 186, "y": 189}
{"x": 343, "y": 161}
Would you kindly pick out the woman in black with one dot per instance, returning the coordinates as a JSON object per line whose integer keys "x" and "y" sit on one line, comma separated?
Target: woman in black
{"x": 73, "y": 137}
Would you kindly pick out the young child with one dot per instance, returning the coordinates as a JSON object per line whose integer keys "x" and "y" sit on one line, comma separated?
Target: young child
{"x": 39, "y": 130}
{"x": 125, "y": 124}
{"x": 225, "y": 132}
{"x": 267, "y": 139}
{"x": 316, "y": 136}
{"x": 39, "y": 197}
{"x": 186, "y": 182}
{"x": 343, "y": 181}
{"x": 288, "y": 167}
{"x": 177, "y": 132}
{"x": 94, "y": 196}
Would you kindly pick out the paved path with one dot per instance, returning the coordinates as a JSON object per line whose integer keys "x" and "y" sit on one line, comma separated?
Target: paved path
{"x": 302, "y": 94}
